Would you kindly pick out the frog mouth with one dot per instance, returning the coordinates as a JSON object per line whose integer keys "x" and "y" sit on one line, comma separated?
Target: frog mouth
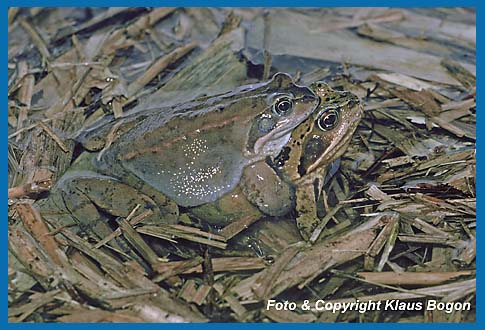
{"x": 273, "y": 140}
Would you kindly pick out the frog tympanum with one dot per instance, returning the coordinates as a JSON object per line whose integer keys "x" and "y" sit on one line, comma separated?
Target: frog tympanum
{"x": 188, "y": 155}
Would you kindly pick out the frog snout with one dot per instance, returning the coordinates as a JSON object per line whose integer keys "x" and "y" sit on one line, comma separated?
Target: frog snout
{"x": 309, "y": 98}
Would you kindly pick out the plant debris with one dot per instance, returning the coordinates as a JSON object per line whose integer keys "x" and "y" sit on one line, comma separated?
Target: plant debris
{"x": 397, "y": 221}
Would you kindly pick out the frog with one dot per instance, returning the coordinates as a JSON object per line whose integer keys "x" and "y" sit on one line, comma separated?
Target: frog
{"x": 182, "y": 156}
{"x": 312, "y": 156}
{"x": 285, "y": 183}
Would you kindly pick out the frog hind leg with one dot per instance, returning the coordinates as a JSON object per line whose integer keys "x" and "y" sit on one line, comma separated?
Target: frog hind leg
{"x": 92, "y": 222}
{"x": 169, "y": 211}
{"x": 90, "y": 198}
{"x": 69, "y": 207}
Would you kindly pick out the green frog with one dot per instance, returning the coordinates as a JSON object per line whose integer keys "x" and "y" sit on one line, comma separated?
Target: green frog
{"x": 188, "y": 155}
{"x": 287, "y": 182}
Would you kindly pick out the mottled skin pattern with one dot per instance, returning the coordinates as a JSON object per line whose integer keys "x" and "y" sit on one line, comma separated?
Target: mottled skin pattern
{"x": 187, "y": 155}
{"x": 314, "y": 146}
{"x": 288, "y": 181}
{"x": 323, "y": 137}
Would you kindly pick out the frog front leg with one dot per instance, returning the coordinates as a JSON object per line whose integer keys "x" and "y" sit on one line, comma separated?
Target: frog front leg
{"x": 306, "y": 208}
{"x": 307, "y": 195}
{"x": 266, "y": 190}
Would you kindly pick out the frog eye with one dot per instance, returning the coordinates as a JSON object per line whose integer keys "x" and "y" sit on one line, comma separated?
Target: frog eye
{"x": 283, "y": 106}
{"x": 328, "y": 120}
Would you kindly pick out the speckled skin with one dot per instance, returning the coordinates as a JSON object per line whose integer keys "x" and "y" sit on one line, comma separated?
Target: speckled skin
{"x": 287, "y": 182}
{"x": 187, "y": 155}
{"x": 314, "y": 148}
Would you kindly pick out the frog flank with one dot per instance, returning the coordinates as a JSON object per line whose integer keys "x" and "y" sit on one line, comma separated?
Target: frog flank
{"x": 187, "y": 155}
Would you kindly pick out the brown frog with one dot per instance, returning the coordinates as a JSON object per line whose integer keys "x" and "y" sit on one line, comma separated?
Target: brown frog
{"x": 310, "y": 157}
{"x": 187, "y": 155}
